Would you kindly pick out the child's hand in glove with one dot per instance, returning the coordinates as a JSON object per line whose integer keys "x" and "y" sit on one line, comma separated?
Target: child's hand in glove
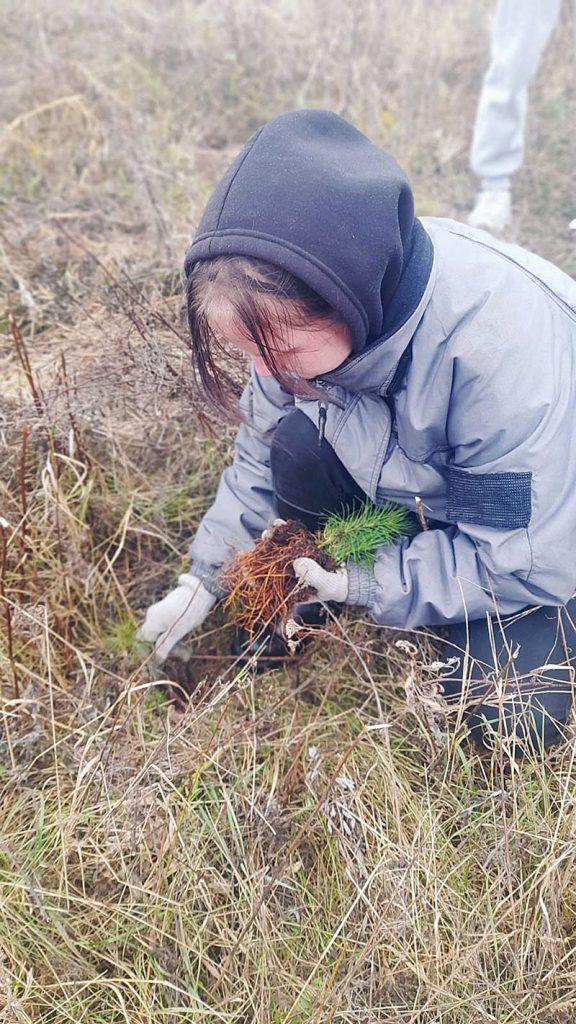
{"x": 182, "y": 610}
{"x": 329, "y": 586}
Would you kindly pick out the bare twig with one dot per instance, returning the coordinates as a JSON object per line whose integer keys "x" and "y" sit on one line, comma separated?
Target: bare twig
{"x": 420, "y": 512}
{"x": 7, "y": 610}
{"x": 22, "y": 484}
{"x": 23, "y": 359}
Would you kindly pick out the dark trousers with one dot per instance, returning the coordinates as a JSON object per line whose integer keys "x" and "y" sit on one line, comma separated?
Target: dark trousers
{"x": 513, "y": 676}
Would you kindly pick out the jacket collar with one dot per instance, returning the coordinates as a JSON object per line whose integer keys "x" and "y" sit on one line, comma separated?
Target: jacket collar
{"x": 375, "y": 367}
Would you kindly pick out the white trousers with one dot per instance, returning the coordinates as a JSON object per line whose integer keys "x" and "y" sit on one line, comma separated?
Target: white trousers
{"x": 520, "y": 32}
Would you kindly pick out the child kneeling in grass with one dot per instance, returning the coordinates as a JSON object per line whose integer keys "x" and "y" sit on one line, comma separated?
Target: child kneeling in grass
{"x": 392, "y": 358}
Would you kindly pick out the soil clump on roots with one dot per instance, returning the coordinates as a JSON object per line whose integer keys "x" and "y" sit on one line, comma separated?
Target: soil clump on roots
{"x": 262, "y": 583}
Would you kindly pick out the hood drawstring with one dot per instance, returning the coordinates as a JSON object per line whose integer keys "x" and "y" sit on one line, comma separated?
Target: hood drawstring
{"x": 322, "y": 406}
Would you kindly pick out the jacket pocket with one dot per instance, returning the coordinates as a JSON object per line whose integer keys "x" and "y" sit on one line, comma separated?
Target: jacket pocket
{"x": 500, "y": 500}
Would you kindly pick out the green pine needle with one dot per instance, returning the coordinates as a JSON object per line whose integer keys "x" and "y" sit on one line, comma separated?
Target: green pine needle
{"x": 356, "y": 536}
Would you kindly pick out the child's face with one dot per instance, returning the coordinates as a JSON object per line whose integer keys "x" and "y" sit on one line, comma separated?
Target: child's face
{"x": 308, "y": 352}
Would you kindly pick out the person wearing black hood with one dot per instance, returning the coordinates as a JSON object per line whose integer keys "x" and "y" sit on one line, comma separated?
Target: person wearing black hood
{"x": 397, "y": 358}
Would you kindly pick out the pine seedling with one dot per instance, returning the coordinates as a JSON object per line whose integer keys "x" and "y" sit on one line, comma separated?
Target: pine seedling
{"x": 356, "y": 536}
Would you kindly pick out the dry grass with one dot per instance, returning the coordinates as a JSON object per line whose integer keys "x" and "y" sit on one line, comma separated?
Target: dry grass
{"x": 308, "y": 846}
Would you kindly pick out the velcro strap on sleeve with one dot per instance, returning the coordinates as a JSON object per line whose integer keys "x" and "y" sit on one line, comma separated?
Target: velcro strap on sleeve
{"x": 502, "y": 500}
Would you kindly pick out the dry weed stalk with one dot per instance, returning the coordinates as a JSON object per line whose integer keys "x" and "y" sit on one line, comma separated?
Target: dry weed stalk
{"x": 24, "y": 360}
{"x": 424, "y": 697}
{"x": 4, "y": 525}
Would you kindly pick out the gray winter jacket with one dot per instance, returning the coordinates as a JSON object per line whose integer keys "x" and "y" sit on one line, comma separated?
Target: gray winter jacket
{"x": 482, "y": 429}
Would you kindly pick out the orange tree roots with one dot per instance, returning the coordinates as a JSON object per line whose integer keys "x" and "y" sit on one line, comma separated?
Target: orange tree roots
{"x": 262, "y": 584}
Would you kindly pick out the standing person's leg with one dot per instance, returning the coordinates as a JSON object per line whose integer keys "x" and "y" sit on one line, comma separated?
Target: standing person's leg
{"x": 572, "y": 224}
{"x": 520, "y": 32}
{"x": 515, "y": 676}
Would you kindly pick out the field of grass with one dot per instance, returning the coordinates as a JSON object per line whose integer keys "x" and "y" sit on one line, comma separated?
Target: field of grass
{"x": 316, "y": 844}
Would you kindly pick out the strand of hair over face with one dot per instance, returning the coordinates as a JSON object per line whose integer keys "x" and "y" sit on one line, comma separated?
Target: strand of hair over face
{"x": 239, "y": 286}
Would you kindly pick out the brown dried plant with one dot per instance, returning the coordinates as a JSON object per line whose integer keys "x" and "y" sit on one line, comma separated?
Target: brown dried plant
{"x": 261, "y": 582}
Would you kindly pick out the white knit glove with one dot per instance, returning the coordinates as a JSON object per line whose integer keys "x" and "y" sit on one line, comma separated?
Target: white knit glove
{"x": 182, "y": 610}
{"x": 329, "y": 586}
{"x": 270, "y": 529}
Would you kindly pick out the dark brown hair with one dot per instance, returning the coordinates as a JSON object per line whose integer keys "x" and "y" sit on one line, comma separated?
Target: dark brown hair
{"x": 239, "y": 284}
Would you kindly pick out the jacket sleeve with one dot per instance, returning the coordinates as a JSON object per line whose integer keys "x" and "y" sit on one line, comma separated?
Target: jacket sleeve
{"x": 510, "y": 541}
{"x": 243, "y": 505}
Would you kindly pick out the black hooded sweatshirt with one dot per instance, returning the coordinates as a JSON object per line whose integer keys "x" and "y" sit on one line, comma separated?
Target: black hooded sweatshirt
{"x": 313, "y": 195}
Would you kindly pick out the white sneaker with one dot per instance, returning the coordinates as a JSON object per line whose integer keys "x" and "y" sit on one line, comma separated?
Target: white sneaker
{"x": 493, "y": 209}
{"x": 572, "y": 225}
